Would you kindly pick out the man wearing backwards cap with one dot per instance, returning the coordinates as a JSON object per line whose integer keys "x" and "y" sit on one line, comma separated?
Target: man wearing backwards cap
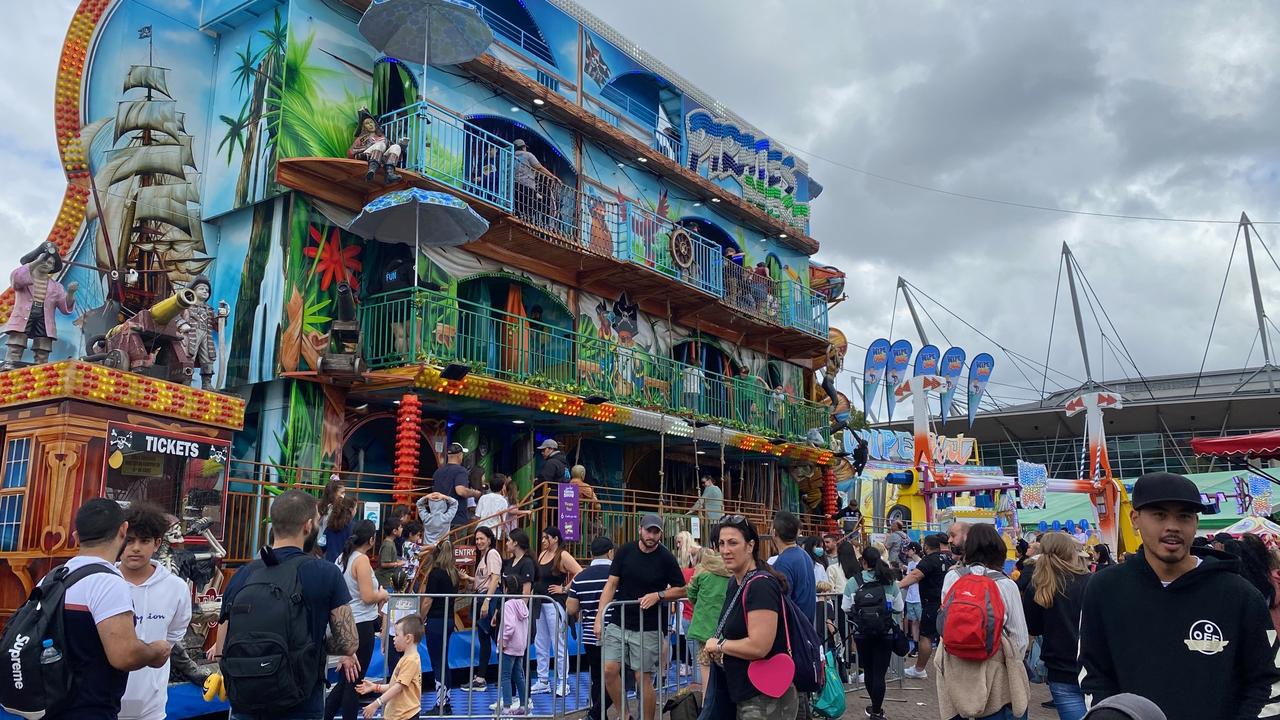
{"x": 648, "y": 572}
{"x": 1186, "y": 632}
{"x": 454, "y": 480}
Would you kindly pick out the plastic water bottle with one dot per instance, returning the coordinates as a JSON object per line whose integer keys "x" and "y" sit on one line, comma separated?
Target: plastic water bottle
{"x": 49, "y": 654}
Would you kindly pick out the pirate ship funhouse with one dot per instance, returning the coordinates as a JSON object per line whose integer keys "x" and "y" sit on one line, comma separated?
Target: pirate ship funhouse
{"x": 594, "y": 251}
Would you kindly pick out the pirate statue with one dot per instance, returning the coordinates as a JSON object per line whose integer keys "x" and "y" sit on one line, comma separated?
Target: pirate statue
{"x": 37, "y": 295}
{"x": 370, "y": 144}
{"x": 197, "y": 325}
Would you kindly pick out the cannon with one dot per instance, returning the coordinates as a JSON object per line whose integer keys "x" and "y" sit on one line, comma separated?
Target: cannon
{"x": 150, "y": 343}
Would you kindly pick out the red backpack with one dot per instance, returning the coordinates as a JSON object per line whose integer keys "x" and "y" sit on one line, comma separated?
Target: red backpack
{"x": 972, "y": 617}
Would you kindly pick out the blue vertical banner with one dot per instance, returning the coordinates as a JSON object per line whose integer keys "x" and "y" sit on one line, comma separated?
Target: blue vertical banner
{"x": 952, "y": 368}
{"x": 896, "y": 372}
{"x": 927, "y": 360}
{"x": 979, "y": 376}
{"x": 570, "y": 515}
{"x": 873, "y": 371}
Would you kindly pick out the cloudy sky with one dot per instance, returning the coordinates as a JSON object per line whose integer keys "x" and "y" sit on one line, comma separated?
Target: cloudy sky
{"x": 1154, "y": 109}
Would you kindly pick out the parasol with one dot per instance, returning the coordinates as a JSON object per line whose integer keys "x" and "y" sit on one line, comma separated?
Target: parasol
{"x": 421, "y": 218}
{"x": 431, "y": 32}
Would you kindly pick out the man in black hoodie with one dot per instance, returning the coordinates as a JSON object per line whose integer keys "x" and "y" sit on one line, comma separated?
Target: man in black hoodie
{"x": 1186, "y": 632}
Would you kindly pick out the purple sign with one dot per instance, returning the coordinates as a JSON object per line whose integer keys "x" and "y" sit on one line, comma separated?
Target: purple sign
{"x": 570, "y": 516}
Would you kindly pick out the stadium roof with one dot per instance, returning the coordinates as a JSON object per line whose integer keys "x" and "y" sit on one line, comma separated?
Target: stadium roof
{"x": 1212, "y": 403}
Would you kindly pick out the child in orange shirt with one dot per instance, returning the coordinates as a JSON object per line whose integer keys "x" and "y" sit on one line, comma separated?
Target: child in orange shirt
{"x": 400, "y": 699}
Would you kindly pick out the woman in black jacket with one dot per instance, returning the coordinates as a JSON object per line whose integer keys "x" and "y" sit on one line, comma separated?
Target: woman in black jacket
{"x": 1052, "y": 605}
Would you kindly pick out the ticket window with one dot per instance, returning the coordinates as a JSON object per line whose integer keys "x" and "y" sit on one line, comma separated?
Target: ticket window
{"x": 184, "y": 475}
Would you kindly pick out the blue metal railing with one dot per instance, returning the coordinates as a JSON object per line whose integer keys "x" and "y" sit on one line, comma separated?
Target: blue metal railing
{"x": 668, "y": 144}
{"x": 629, "y": 105}
{"x": 447, "y": 148}
{"x": 509, "y": 31}
{"x": 647, "y": 243}
{"x": 802, "y": 308}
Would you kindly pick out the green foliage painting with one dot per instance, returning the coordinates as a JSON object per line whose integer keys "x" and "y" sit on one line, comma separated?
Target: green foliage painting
{"x": 257, "y": 75}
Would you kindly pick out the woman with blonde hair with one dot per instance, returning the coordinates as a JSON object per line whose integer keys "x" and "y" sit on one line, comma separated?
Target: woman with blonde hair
{"x": 1052, "y": 605}
{"x": 442, "y": 579}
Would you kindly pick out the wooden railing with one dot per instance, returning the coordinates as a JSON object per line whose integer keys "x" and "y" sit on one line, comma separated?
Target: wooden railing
{"x": 616, "y": 512}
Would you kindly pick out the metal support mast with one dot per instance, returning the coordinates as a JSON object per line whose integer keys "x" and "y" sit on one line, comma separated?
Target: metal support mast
{"x": 1261, "y": 312}
{"x": 911, "y": 307}
{"x": 1069, "y": 259}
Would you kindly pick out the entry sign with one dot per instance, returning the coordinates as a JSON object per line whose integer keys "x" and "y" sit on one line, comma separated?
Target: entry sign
{"x": 373, "y": 512}
{"x": 570, "y": 514}
{"x": 464, "y": 555}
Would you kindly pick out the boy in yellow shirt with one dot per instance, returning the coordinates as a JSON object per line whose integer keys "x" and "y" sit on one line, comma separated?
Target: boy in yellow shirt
{"x": 401, "y": 698}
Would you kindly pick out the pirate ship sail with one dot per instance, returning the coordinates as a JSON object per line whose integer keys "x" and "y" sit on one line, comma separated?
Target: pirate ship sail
{"x": 147, "y": 185}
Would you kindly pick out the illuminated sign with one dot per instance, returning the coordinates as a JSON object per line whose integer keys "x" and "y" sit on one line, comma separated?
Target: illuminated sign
{"x": 899, "y": 446}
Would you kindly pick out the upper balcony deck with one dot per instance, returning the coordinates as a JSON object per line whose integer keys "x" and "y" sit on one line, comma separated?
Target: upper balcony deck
{"x": 536, "y": 69}
{"x": 581, "y": 239}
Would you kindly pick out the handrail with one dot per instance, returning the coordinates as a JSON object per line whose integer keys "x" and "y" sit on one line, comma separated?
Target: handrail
{"x": 646, "y": 116}
{"x": 648, "y": 244}
{"x": 460, "y": 154}
{"x": 615, "y": 512}
{"x": 504, "y": 27}
{"x": 411, "y": 326}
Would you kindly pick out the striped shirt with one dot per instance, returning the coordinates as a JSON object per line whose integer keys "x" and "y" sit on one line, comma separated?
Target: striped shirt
{"x": 586, "y": 589}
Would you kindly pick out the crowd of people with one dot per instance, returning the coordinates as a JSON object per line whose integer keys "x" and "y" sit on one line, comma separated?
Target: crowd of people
{"x": 1182, "y": 628}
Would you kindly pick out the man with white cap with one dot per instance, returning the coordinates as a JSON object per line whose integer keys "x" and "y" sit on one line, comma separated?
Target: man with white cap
{"x": 555, "y": 468}
{"x": 1186, "y": 632}
{"x": 453, "y": 480}
{"x": 648, "y": 572}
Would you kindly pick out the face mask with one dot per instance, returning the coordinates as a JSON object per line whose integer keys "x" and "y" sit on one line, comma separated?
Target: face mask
{"x": 818, "y": 551}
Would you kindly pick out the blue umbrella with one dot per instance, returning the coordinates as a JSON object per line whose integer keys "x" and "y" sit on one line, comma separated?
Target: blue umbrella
{"x": 431, "y": 32}
{"x": 420, "y": 218}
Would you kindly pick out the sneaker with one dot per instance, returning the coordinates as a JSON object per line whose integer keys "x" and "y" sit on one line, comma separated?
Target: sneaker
{"x": 877, "y": 716}
{"x": 913, "y": 673}
{"x": 562, "y": 690}
{"x": 442, "y": 710}
{"x": 475, "y": 685}
{"x": 494, "y": 706}
{"x": 539, "y": 688}
{"x": 861, "y": 678}
{"x": 913, "y": 653}
{"x": 516, "y": 711}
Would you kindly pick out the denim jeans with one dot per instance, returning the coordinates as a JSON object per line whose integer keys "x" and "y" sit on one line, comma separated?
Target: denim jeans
{"x": 511, "y": 679}
{"x": 1069, "y": 700}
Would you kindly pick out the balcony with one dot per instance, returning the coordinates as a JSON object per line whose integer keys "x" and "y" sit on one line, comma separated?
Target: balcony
{"x": 516, "y": 37}
{"x": 575, "y": 237}
{"x": 444, "y": 147}
{"x": 423, "y": 326}
{"x": 644, "y": 122}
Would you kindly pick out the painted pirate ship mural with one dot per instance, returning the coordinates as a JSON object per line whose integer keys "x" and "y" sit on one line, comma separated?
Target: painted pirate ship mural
{"x": 148, "y": 238}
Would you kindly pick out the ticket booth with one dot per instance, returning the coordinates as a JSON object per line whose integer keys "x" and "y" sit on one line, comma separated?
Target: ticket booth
{"x": 72, "y": 430}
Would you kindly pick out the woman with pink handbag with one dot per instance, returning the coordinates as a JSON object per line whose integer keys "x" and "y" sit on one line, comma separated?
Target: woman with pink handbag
{"x": 752, "y": 644}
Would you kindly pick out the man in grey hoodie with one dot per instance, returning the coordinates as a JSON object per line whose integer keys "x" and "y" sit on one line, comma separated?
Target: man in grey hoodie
{"x": 161, "y": 604}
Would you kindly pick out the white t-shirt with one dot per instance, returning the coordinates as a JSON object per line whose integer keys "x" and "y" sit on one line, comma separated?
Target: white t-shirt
{"x": 489, "y": 505}
{"x": 693, "y": 377}
{"x": 913, "y": 591}
{"x": 104, "y": 595}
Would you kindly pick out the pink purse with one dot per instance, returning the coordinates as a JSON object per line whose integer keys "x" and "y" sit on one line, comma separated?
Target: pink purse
{"x": 772, "y": 676}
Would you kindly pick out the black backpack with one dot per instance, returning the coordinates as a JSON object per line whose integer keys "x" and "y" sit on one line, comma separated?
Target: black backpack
{"x": 871, "y": 614}
{"x": 270, "y": 663}
{"x": 30, "y": 688}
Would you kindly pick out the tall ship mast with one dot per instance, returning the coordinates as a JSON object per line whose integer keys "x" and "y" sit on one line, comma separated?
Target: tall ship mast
{"x": 148, "y": 189}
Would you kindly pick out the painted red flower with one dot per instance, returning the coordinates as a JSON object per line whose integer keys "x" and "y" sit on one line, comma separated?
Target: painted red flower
{"x": 336, "y": 263}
